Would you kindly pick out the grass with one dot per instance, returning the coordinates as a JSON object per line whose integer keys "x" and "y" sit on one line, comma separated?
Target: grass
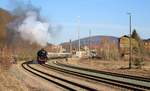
{"x": 12, "y": 78}
{"x": 9, "y": 83}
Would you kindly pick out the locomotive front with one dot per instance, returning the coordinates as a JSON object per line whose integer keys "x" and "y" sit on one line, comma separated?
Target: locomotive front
{"x": 42, "y": 56}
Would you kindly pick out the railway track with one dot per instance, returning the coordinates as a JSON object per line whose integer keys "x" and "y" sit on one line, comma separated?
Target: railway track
{"x": 107, "y": 73}
{"x": 63, "y": 83}
{"x": 124, "y": 81}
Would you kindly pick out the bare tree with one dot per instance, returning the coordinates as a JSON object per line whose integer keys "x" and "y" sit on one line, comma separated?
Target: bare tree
{"x": 108, "y": 49}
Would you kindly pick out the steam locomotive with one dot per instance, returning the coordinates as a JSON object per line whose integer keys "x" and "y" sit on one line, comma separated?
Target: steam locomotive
{"x": 42, "y": 56}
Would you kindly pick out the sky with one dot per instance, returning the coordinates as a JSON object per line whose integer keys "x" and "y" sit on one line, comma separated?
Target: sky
{"x": 101, "y": 17}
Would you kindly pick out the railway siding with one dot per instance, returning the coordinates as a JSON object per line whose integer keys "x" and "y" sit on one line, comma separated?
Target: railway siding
{"x": 109, "y": 77}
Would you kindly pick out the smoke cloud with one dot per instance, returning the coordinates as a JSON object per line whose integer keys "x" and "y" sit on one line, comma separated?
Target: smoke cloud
{"x": 33, "y": 29}
{"x": 30, "y": 25}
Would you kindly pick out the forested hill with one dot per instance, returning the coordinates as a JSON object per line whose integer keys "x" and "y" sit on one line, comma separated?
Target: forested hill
{"x": 94, "y": 40}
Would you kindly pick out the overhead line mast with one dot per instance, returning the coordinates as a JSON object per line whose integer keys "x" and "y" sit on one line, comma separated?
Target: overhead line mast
{"x": 130, "y": 56}
{"x": 79, "y": 33}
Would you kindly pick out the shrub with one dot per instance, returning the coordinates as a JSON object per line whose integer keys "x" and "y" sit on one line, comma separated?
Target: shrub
{"x": 138, "y": 62}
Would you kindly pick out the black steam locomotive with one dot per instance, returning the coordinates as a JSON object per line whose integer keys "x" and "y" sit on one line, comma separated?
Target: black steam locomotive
{"x": 42, "y": 56}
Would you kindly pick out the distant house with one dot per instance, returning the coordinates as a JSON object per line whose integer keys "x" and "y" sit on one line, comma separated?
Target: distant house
{"x": 124, "y": 45}
{"x": 147, "y": 44}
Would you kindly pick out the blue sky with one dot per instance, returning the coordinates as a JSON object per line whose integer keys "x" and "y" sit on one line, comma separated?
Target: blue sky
{"x": 102, "y": 17}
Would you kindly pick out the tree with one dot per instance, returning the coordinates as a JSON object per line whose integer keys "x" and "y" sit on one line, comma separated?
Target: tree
{"x": 138, "y": 39}
{"x": 139, "y": 50}
{"x": 135, "y": 35}
{"x": 108, "y": 49}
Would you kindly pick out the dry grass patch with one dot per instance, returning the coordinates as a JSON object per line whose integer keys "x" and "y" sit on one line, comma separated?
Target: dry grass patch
{"x": 10, "y": 83}
{"x": 7, "y": 81}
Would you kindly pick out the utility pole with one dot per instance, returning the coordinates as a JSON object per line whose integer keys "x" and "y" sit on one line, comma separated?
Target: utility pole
{"x": 130, "y": 56}
{"x": 89, "y": 41}
{"x": 70, "y": 46}
{"x": 79, "y": 33}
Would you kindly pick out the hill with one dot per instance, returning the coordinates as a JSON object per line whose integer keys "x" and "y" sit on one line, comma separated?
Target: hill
{"x": 94, "y": 41}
